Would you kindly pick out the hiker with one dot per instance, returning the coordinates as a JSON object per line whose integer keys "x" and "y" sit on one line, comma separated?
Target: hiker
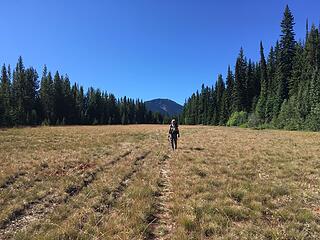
{"x": 174, "y": 134}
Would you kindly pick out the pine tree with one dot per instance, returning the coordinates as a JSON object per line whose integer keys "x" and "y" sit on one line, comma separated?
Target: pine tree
{"x": 271, "y": 66}
{"x": 240, "y": 88}
{"x": 115, "y": 111}
{"x": 68, "y": 102}
{"x": 124, "y": 110}
{"x": 261, "y": 105}
{"x": 219, "y": 91}
{"x": 202, "y": 106}
{"x": 58, "y": 98}
{"x": 18, "y": 93}
{"x": 251, "y": 86}
{"x": 277, "y": 99}
{"x": 47, "y": 96}
{"x": 5, "y": 95}
{"x": 90, "y": 115}
{"x": 229, "y": 93}
{"x": 31, "y": 96}
{"x": 255, "y": 85}
{"x": 80, "y": 102}
{"x": 287, "y": 52}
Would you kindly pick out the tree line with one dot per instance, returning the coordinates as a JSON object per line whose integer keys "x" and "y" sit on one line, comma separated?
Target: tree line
{"x": 281, "y": 91}
{"x": 52, "y": 100}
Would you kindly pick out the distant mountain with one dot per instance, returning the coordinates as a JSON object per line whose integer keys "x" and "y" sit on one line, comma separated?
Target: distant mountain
{"x": 164, "y": 106}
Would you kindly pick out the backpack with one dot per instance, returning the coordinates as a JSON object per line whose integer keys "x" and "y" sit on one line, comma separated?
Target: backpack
{"x": 174, "y": 128}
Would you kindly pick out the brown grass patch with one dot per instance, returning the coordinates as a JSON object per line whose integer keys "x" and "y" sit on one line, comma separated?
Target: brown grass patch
{"x": 95, "y": 182}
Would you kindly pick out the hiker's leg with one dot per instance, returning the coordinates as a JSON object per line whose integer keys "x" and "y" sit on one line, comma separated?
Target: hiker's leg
{"x": 176, "y": 142}
{"x": 172, "y": 142}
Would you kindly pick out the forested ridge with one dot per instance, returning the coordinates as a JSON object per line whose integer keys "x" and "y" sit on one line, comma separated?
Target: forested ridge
{"x": 282, "y": 90}
{"x": 52, "y": 100}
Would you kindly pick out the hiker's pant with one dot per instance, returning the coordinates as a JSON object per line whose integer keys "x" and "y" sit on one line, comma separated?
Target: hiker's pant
{"x": 174, "y": 141}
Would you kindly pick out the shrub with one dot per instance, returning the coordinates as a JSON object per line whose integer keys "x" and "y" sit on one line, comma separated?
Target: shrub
{"x": 254, "y": 121}
{"x": 237, "y": 119}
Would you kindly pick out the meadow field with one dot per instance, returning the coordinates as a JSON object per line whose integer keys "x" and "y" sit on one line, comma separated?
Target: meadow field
{"x": 124, "y": 182}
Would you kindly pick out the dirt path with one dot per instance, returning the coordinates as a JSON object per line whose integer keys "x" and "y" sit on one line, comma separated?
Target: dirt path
{"x": 162, "y": 224}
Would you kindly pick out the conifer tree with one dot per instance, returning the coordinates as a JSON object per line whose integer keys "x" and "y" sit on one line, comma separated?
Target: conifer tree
{"x": 67, "y": 100}
{"x": 31, "y": 96}
{"x": 287, "y": 51}
{"x": 229, "y": 93}
{"x": 58, "y": 98}
{"x": 261, "y": 106}
{"x": 46, "y": 96}
{"x": 219, "y": 90}
{"x": 240, "y": 88}
{"x": 271, "y": 66}
{"x": 18, "y": 93}
{"x": 5, "y": 96}
{"x": 251, "y": 86}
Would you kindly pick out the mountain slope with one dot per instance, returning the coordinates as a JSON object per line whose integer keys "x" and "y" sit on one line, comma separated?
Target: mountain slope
{"x": 164, "y": 106}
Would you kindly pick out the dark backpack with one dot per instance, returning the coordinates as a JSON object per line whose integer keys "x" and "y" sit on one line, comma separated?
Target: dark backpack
{"x": 174, "y": 128}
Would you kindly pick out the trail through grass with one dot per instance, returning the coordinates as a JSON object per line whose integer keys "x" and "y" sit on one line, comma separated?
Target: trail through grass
{"x": 124, "y": 182}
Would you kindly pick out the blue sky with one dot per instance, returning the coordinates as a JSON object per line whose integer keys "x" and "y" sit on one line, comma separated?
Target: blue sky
{"x": 143, "y": 48}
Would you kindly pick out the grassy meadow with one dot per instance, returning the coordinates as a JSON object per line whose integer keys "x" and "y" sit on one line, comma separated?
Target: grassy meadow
{"x": 124, "y": 182}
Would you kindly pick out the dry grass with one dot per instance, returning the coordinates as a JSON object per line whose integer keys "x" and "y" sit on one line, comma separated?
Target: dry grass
{"x": 123, "y": 182}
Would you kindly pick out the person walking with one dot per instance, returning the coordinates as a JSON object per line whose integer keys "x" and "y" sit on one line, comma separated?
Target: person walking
{"x": 174, "y": 134}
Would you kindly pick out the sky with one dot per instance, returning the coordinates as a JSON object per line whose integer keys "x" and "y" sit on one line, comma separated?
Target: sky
{"x": 143, "y": 48}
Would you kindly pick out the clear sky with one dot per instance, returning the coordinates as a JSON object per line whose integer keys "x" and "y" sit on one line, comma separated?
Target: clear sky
{"x": 143, "y": 48}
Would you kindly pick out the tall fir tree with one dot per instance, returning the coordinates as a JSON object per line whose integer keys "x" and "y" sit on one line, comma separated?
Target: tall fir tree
{"x": 287, "y": 52}
{"x": 271, "y": 69}
{"x": 251, "y": 86}
{"x": 58, "y": 98}
{"x": 219, "y": 90}
{"x": 5, "y": 95}
{"x": 47, "y": 96}
{"x": 240, "y": 85}
{"x": 18, "y": 93}
{"x": 229, "y": 93}
{"x": 261, "y": 105}
{"x": 31, "y": 96}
